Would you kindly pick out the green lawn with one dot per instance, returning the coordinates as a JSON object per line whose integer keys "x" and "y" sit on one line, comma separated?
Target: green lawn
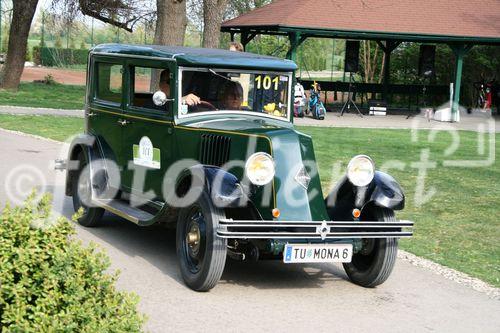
{"x": 57, "y": 96}
{"x": 56, "y": 128}
{"x": 458, "y": 227}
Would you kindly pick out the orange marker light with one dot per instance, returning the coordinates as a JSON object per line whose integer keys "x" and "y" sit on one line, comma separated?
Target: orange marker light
{"x": 356, "y": 213}
{"x": 276, "y": 212}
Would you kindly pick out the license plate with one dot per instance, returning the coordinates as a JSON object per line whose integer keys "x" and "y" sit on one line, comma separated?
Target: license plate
{"x": 303, "y": 253}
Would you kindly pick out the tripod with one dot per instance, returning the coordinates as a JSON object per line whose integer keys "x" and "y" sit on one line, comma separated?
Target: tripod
{"x": 347, "y": 104}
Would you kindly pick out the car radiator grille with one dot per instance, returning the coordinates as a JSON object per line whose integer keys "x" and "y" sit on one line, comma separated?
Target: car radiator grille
{"x": 214, "y": 149}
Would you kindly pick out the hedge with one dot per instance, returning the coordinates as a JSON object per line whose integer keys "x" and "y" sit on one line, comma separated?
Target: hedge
{"x": 51, "y": 56}
{"x": 50, "y": 282}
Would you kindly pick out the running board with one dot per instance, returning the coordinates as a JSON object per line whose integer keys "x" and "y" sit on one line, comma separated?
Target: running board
{"x": 124, "y": 210}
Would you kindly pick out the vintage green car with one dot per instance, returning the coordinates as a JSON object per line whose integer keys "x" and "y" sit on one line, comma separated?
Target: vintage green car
{"x": 202, "y": 140}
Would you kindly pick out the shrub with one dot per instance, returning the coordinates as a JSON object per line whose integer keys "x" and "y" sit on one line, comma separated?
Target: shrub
{"x": 50, "y": 282}
{"x": 52, "y": 56}
{"x": 49, "y": 79}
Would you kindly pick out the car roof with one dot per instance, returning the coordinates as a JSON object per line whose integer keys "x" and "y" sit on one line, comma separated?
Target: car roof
{"x": 195, "y": 56}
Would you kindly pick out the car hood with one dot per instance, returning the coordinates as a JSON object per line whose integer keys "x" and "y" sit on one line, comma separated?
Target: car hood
{"x": 291, "y": 151}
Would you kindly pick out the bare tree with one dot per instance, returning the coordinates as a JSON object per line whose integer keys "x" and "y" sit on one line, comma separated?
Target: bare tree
{"x": 22, "y": 16}
{"x": 371, "y": 61}
{"x": 213, "y": 12}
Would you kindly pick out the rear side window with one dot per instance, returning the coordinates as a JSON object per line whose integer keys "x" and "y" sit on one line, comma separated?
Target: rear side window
{"x": 146, "y": 81}
{"x": 109, "y": 82}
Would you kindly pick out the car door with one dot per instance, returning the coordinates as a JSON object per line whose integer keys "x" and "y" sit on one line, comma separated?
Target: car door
{"x": 105, "y": 112}
{"x": 147, "y": 138}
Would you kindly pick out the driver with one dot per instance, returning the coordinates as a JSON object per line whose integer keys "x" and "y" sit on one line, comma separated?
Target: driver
{"x": 189, "y": 99}
{"x": 231, "y": 95}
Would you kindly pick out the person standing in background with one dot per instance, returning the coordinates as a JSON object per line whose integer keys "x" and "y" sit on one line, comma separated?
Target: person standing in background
{"x": 236, "y": 46}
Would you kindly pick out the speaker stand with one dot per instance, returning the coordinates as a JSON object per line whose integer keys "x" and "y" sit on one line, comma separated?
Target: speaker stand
{"x": 350, "y": 101}
{"x": 424, "y": 89}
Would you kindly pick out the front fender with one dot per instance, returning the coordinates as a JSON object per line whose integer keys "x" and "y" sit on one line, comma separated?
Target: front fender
{"x": 223, "y": 187}
{"x": 82, "y": 142}
{"x": 383, "y": 191}
{"x": 386, "y": 192}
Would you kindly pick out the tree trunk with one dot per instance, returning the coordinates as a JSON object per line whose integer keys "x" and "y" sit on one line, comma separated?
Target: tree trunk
{"x": 213, "y": 12}
{"x": 23, "y": 12}
{"x": 171, "y": 22}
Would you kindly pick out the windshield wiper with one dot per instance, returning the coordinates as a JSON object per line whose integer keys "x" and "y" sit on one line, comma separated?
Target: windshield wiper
{"x": 222, "y": 76}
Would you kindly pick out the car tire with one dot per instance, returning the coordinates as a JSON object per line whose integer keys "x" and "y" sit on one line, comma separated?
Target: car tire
{"x": 91, "y": 215}
{"x": 201, "y": 253}
{"x": 374, "y": 263}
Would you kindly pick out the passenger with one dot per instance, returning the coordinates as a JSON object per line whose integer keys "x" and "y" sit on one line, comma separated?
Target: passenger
{"x": 231, "y": 95}
{"x": 189, "y": 99}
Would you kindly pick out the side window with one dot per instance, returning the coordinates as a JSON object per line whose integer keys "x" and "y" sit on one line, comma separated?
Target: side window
{"x": 109, "y": 82}
{"x": 146, "y": 81}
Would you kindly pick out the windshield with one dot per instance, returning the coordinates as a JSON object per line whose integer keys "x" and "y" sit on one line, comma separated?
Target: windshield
{"x": 234, "y": 90}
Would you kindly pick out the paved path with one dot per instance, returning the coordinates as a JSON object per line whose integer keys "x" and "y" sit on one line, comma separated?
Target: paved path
{"x": 332, "y": 119}
{"x": 471, "y": 123}
{"x": 266, "y": 296}
{"x": 22, "y": 110}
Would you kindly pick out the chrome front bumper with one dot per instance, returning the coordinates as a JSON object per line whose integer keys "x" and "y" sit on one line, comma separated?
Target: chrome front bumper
{"x": 314, "y": 230}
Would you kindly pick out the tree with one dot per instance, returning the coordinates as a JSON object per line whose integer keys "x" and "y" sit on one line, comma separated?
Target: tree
{"x": 213, "y": 12}
{"x": 171, "y": 22}
{"x": 372, "y": 61}
{"x": 238, "y": 7}
{"x": 120, "y": 13}
{"x": 22, "y": 16}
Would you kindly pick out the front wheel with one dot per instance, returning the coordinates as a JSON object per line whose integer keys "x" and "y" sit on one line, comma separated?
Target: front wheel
{"x": 201, "y": 253}
{"x": 373, "y": 264}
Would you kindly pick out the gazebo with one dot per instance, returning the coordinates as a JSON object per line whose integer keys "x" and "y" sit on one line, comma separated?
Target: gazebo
{"x": 457, "y": 23}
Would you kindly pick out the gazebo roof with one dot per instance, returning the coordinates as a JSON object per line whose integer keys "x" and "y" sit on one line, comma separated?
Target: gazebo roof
{"x": 470, "y": 21}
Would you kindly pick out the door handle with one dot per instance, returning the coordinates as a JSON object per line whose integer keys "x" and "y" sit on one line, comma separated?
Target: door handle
{"x": 91, "y": 114}
{"x": 123, "y": 122}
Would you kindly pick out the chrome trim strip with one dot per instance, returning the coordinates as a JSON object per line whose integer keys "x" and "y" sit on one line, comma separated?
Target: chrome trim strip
{"x": 229, "y": 228}
{"x": 333, "y": 235}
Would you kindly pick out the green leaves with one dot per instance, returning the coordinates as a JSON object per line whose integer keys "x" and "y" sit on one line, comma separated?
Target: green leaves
{"x": 51, "y": 282}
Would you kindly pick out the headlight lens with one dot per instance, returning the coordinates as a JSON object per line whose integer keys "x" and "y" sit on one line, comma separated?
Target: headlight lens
{"x": 361, "y": 170}
{"x": 260, "y": 168}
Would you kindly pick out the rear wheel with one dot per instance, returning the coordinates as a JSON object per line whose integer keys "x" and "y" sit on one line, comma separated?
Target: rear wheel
{"x": 82, "y": 194}
{"x": 201, "y": 253}
{"x": 374, "y": 263}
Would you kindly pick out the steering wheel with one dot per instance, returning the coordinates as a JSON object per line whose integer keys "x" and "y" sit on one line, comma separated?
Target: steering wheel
{"x": 204, "y": 105}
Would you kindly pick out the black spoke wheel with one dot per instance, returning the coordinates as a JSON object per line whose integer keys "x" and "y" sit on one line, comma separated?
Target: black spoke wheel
{"x": 373, "y": 264}
{"x": 82, "y": 192}
{"x": 201, "y": 254}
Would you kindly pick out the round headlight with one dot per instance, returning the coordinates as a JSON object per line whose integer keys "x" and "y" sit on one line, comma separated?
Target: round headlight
{"x": 260, "y": 168}
{"x": 361, "y": 170}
